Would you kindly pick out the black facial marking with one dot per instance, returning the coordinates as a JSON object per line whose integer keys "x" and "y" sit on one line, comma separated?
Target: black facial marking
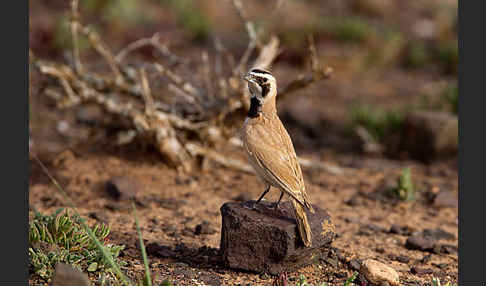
{"x": 255, "y": 107}
{"x": 260, "y": 71}
{"x": 265, "y": 89}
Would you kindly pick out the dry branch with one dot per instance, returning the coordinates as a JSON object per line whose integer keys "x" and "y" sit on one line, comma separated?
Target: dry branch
{"x": 153, "y": 41}
{"x": 74, "y": 31}
{"x": 179, "y": 117}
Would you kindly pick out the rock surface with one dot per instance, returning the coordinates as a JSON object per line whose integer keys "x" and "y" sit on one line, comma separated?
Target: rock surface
{"x": 122, "y": 188}
{"x": 379, "y": 273}
{"x": 267, "y": 240}
{"x": 65, "y": 275}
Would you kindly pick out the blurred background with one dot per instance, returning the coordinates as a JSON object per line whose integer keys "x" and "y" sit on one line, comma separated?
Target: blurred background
{"x": 389, "y": 58}
{"x": 379, "y": 136}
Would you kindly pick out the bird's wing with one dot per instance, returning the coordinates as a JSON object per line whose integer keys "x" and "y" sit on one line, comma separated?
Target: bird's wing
{"x": 272, "y": 149}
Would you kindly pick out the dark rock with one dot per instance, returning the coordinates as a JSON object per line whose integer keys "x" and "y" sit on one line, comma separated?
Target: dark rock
{"x": 353, "y": 201}
{"x": 370, "y": 229}
{"x": 403, "y": 259}
{"x": 430, "y": 134}
{"x": 438, "y": 234}
{"x": 380, "y": 250}
{"x": 341, "y": 274}
{"x": 331, "y": 261}
{"x": 426, "y": 259}
{"x": 204, "y": 228}
{"x": 441, "y": 265}
{"x": 420, "y": 271}
{"x": 266, "y": 240}
{"x": 448, "y": 249}
{"x": 445, "y": 199}
{"x": 402, "y": 230}
{"x": 122, "y": 188}
{"x": 355, "y": 264}
{"x": 211, "y": 280}
{"x": 65, "y": 275}
{"x": 157, "y": 250}
{"x": 420, "y": 242}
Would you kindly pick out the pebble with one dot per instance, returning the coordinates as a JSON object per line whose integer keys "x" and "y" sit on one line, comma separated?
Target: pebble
{"x": 65, "y": 275}
{"x": 122, "y": 188}
{"x": 204, "y": 228}
{"x": 420, "y": 242}
{"x": 379, "y": 273}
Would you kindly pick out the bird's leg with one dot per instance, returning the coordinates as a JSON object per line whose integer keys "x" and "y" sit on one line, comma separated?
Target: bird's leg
{"x": 261, "y": 197}
{"x": 279, "y": 199}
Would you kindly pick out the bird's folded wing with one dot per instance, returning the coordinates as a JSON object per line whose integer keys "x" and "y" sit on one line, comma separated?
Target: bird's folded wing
{"x": 277, "y": 158}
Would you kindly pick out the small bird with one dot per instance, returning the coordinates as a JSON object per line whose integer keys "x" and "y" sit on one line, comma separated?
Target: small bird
{"x": 270, "y": 150}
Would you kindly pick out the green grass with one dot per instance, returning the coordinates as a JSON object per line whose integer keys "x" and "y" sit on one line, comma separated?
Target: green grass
{"x": 303, "y": 280}
{"x": 405, "y": 187}
{"x": 351, "y": 30}
{"x": 436, "y": 282}
{"x": 73, "y": 233}
{"x": 60, "y": 237}
{"x": 417, "y": 55}
{"x": 448, "y": 55}
{"x": 190, "y": 18}
{"x": 378, "y": 122}
{"x": 451, "y": 97}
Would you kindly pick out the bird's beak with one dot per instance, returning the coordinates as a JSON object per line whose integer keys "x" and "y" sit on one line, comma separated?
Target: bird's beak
{"x": 247, "y": 77}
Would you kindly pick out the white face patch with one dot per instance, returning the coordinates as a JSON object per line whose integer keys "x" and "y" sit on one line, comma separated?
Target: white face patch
{"x": 255, "y": 89}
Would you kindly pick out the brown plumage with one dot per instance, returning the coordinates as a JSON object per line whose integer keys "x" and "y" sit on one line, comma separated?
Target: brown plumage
{"x": 270, "y": 149}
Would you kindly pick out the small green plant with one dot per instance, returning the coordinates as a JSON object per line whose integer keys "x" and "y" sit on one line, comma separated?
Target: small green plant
{"x": 436, "y": 282}
{"x": 351, "y": 30}
{"x": 303, "y": 280}
{"x": 404, "y": 189}
{"x": 378, "y": 122}
{"x": 351, "y": 279}
{"x": 416, "y": 55}
{"x": 191, "y": 18}
{"x": 451, "y": 96}
{"x": 448, "y": 55}
{"x": 61, "y": 238}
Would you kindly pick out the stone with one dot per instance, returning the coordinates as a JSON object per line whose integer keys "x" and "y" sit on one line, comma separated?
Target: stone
{"x": 420, "y": 242}
{"x": 379, "y": 273}
{"x": 401, "y": 229}
{"x": 65, "y": 275}
{"x": 157, "y": 250}
{"x": 122, "y": 188}
{"x": 438, "y": 233}
{"x": 445, "y": 199}
{"x": 420, "y": 271}
{"x": 267, "y": 240}
{"x": 204, "y": 228}
{"x": 430, "y": 134}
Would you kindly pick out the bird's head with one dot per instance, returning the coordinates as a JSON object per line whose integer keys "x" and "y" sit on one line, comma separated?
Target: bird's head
{"x": 262, "y": 84}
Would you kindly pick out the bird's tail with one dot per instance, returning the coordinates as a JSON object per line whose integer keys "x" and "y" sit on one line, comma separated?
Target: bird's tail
{"x": 302, "y": 223}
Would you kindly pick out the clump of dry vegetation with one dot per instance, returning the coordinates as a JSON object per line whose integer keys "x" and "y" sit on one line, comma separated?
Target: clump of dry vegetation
{"x": 185, "y": 110}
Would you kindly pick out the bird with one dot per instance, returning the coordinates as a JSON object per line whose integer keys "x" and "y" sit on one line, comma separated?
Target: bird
{"x": 270, "y": 150}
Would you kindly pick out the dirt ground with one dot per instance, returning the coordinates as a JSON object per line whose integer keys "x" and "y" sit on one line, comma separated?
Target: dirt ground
{"x": 171, "y": 205}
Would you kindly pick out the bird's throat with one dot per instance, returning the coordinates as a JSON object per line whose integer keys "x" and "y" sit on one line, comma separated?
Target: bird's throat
{"x": 255, "y": 107}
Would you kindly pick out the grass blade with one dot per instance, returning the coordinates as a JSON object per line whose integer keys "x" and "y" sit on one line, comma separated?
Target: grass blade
{"x": 148, "y": 278}
{"x": 107, "y": 255}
